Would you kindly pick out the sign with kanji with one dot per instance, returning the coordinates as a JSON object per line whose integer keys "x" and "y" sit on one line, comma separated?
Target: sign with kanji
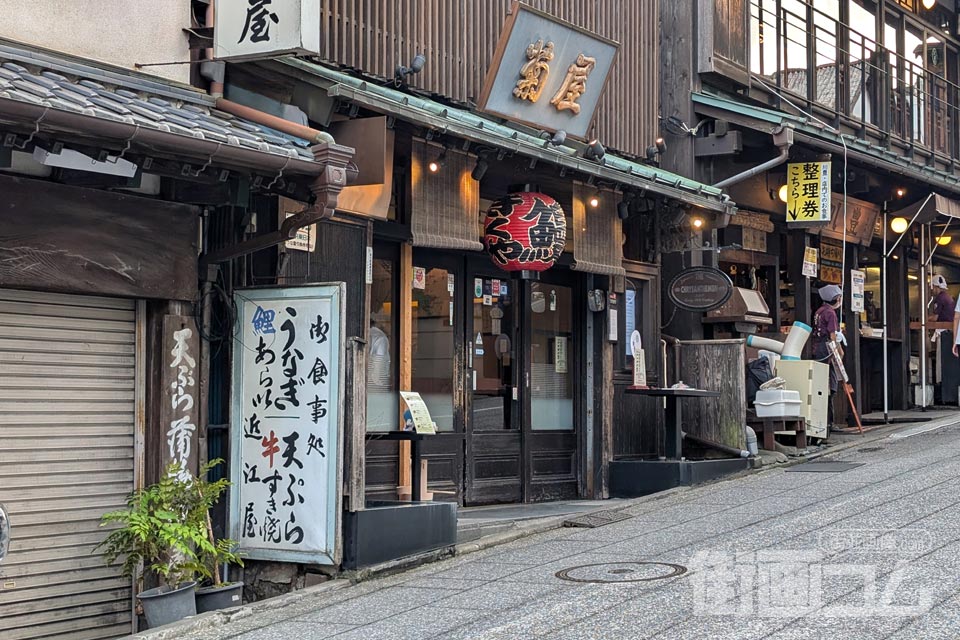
{"x": 287, "y": 409}
{"x": 180, "y": 409}
{"x": 808, "y": 192}
{"x": 248, "y": 29}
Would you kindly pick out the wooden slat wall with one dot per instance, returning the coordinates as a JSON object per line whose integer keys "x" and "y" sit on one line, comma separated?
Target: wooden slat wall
{"x": 458, "y": 38}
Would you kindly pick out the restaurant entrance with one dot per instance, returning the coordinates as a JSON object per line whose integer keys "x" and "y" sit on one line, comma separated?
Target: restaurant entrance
{"x": 495, "y": 358}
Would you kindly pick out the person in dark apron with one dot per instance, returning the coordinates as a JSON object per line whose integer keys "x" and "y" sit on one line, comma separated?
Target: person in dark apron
{"x": 826, "y": 327}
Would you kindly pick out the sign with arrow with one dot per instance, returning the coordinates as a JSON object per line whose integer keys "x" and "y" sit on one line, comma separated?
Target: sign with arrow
{"x": 808, "y": 192}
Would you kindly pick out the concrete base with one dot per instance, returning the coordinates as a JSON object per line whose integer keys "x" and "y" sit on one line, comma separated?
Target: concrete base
{"x": 387, "y": 531}
{"x": 633, "y": 478}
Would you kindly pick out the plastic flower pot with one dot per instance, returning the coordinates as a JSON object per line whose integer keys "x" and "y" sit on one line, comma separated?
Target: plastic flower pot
{"x": 165, "y": 605}
{"x": 223, "y": 597}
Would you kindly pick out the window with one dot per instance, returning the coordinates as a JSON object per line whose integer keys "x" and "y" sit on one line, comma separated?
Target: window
{"x": 382, "y": 398}
{"x": 433, "y": 344}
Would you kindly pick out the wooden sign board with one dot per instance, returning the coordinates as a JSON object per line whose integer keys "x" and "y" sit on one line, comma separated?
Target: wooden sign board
{"x": 180, "y": 409}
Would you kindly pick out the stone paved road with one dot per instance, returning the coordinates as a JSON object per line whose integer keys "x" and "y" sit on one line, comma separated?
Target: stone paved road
{"x": 873, "y": 552}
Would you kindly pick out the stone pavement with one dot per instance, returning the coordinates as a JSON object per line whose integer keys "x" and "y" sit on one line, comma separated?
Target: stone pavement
{"x": 869, "y": 552}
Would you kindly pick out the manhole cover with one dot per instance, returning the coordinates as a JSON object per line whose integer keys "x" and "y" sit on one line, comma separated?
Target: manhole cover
{"x": 825, "y": 467}
{"x": 622, "y": 572}
{"x": 598, "y": 519}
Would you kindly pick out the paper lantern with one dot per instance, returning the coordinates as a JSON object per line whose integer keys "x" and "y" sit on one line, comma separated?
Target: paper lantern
{"x": 525, "y": 232}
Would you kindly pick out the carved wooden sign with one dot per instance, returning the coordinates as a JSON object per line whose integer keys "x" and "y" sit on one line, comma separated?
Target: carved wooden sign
{"x": 547, "y": 73}
{"x": 180, "y": 409}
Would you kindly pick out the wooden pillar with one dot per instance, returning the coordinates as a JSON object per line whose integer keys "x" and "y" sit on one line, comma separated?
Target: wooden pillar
{"x": 405, "y": 308}
{"x": 852, "y": 330}
{"x": 797, "y": 242}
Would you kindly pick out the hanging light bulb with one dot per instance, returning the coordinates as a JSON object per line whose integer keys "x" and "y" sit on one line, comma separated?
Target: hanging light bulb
{"x": 929, "y": 4}
{"x": 899, "y": 225}
{"x": 944, "y": 240}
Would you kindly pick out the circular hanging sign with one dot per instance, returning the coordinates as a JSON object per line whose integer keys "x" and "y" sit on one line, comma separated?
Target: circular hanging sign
{"x": 700, "y": 289}
{"x": 525, "y": 232}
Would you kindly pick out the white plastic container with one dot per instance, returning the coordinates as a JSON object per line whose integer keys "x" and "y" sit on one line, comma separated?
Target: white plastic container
{"x": 777, "y": 403}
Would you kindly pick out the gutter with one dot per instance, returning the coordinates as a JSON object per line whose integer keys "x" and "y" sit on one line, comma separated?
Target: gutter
{"x": 174, "y": 144}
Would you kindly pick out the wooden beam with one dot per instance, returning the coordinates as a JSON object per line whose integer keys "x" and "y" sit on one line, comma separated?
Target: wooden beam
{"x": 405, "y": 307}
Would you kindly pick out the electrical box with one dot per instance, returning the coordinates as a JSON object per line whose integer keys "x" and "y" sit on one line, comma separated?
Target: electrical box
{"x": 812, "y": 380}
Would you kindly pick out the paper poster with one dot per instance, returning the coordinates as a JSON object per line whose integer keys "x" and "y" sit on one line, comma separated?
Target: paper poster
{"x": 478, "y": 345}
{"x": 810, "y": 262}
{"x": 503, "y": 288}
{"x": 487, "y": 300}
{"x": 477, "y": 287}
{"x": 419, "y": 413}
{"x": 639, "y": 362}
{"x": 419, "y": 278}
{"x": 857, "y": 279}
{"x": 287, "y": 395}
{"x": 612, "y": 326}
{"x": 560, "y": 354}
{"x": 369, "y": 278}
{"x": 495, "y": 288}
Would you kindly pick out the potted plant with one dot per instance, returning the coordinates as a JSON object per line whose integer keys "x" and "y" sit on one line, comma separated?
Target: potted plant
{"x": 217, "y": 594}
{"x": 163, "y": 530}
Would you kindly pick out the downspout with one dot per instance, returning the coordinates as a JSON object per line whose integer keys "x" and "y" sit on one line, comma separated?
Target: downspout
{"x": 783, "y": 139}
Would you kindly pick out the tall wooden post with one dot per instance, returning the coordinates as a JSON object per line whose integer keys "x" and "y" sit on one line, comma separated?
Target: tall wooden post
{"x": 405, "y": 309}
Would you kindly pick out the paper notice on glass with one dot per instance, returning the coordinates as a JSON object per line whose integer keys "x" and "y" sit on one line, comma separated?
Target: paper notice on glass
{"x": 422, "y": 422}
{"x": 639, "y": 362}
{"x": 419, "y": 278}
{"x": 857, "y": 279}
{"x": 810, "y": 262}
{"x": 560, "y": 354}
{"x": 451, "y": 283}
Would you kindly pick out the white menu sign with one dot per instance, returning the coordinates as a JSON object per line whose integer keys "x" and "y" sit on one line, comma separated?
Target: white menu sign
{"x": 286, "y": 431}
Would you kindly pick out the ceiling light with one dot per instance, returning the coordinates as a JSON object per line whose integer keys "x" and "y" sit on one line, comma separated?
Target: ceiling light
{"x": 901, "y": 192}
{"x": 782, "y": 193}
{"x": 899, "y": 225}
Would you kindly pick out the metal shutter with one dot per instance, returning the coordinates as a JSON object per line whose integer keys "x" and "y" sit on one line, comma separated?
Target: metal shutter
{"x": 67, "y": 407}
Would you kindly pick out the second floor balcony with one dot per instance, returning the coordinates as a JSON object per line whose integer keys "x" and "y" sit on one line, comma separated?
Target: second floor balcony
{"x": 886, "y": 71}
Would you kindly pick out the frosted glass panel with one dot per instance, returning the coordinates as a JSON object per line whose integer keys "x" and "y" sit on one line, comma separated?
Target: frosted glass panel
{"x": 552, "y": 358}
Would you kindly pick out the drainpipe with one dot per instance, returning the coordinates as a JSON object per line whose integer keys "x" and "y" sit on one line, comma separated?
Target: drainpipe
{"x": 211, "y": 69}
{"x": 783, "y": 139}
{"x": 315, "y": 136}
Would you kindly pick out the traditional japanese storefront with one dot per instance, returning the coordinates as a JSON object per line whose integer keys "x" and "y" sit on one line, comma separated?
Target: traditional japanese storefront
{"x": 105, "y": 178}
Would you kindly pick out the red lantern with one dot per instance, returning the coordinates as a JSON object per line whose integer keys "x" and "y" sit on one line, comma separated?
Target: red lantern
{"x": 525, "y": 232}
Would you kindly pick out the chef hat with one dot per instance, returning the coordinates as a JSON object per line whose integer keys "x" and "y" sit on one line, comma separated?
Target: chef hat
{"x": 938, "y": 281}
{"x": 830, "y": 292}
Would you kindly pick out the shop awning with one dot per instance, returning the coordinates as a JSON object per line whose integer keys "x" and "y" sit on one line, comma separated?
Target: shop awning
{"x": 927, "y": 210}
{"x": 488, "y": 131}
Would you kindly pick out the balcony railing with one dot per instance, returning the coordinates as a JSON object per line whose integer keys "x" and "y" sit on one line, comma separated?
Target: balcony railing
{"x": 834, "y": 69}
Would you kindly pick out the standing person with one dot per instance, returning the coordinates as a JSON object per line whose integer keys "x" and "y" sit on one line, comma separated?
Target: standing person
{"x": 942, "y": 301}
{"x": 826, "y": 328}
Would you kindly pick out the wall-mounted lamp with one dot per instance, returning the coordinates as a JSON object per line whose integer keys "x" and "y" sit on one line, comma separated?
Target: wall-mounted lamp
{"x": 899, "y": 225}
{"x": 594, "y": 200}
{"x": 782, "y": 193}
{"x": 435, "y": 165}
{"x": 479, "y": 169}
{"x": 557, "y": 139}
{"x": 594, "y": 151}
{"x": 653, "y": 151}
{"x": 929, "y": 4}
{"x": 900, "y": 192}
{"x": 696, "y": 222}
{"x": 416, "y": 66}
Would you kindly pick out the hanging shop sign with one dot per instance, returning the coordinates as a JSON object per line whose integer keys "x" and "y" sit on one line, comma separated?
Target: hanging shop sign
{"x": 525, "y": 232}
{"x": 861, "y": 220}
{"x": 287, "y": 408}
{"x": 808, "y": 192}
{"x": 547, "y": 73}
{"x": 265, "y": 28}
{"x": 700, "y": 289}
